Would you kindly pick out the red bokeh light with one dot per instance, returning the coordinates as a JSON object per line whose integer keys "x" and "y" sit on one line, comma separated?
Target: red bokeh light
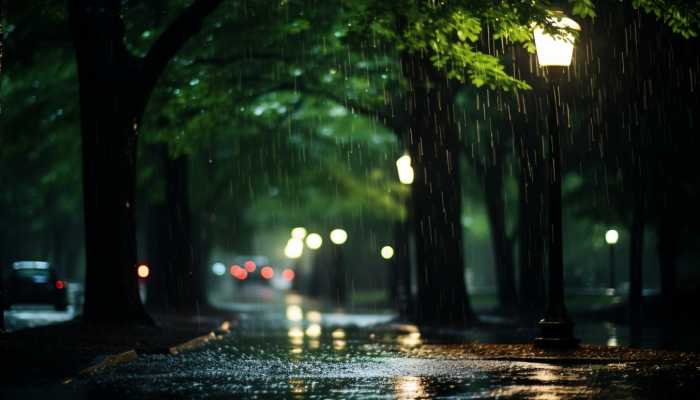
{"x": 267, "y": 272}
{"x": 238, "y": 272}
{"x": 250, "y": 266}
{"x": 60, "y": 285}
{"x": 288, "y": 274}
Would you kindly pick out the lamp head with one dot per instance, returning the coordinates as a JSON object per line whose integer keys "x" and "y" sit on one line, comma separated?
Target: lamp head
{"x": 555, "y": 49}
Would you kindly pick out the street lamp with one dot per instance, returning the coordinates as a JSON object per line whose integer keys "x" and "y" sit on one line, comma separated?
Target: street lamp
{"x": 338, "y": 236}
{"x": 314, "y": 241}
{"x": 294, "y": 248}
{"x": 405, "y": 170}
{"x": 387, "y": 252}
{"x": 611, "y": 238}
{"x": 554, "y": 53}
{"x": 404, "y": 271}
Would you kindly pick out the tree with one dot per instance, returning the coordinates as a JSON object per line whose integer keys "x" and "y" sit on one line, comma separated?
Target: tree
{"x": 115, "y": 86}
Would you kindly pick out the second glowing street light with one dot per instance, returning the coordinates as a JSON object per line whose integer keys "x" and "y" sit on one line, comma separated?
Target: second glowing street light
{"x": 402, "y": 266}
{"x": 611, "y": 238}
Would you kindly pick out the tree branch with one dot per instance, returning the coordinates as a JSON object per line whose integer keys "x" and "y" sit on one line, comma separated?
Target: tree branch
{"x": 186, "y": 25}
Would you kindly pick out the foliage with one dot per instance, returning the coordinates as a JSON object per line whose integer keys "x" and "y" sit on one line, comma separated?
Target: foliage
{"x": 683, "y": 17}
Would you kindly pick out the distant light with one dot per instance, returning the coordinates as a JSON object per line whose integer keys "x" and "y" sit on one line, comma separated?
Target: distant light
{"x": 299, "y": 232}
{"x": 339, "y": 236}
{"x": 387, "y": 252}
{"x": 313, "y": 331}
{"x": 338, "y": 334}
{"x": 294, "y": 248}
{"x": 611, "y": 236}
{"x": 250, "y": 266}
{"x": 143, "y": 271}
{"x": 239, "y": 273}
{"x": 218, "y": 269}
{"x": 313, "y": 316}
{"x": 295, "y": 332}
{"x": 294, "y": 313}
{"x": 314, "y": 241}
{"x": 288, "y": 274}
{"x": 405, "y": 170}
{"x": 267, "y": 272}
{"x": 555, "y": 49}
{"x": 60, "y": 285}
{"x": 411, "y": 340}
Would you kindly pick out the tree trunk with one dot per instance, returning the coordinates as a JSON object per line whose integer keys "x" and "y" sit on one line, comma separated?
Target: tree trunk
{"x": 180, "y": 256}
{"x": 114, "y": 90}
{"x": 502, "y": 245}
{"x": 635, "y": 266}
{"x": 434, "y": 150}
{"x": 668, "y": 253}
{"x": 157, "y": 257}
{"x": 400, "y": 272}
{"x": 109, "y": 124}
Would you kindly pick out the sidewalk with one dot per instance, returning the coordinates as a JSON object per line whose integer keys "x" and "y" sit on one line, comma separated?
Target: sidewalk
{"x": 56, "y": 352}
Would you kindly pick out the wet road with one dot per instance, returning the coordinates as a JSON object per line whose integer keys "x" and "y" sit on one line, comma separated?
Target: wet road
{"x": 291, "y": 351}
{"x": 30, "y": 316}
{"x": 286, "y": 347}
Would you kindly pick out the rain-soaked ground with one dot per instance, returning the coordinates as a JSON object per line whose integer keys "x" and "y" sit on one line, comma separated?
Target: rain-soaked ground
{"x": 292, "y": 351}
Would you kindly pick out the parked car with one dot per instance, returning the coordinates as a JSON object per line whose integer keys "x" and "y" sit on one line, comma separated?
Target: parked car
{"x": 35, "y": 282}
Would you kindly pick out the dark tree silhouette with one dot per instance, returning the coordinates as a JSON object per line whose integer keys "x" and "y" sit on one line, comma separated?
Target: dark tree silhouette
{"x": 115, "y": 86}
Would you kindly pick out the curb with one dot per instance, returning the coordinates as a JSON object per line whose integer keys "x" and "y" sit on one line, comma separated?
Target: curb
{"x": 120, "y": 358}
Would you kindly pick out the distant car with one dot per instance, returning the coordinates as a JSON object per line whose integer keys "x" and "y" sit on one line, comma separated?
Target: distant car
{"x": 35, "y": 282}
{"x": 252, "y": 270}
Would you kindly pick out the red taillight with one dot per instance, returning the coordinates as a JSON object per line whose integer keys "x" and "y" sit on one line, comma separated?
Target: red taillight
{"x": 60, "y": 285}
{"x": 250, "y": 266}
{"x": 288, "y": 274}
{"x": 238, "y": 272}
{"x": 267, "y": 272}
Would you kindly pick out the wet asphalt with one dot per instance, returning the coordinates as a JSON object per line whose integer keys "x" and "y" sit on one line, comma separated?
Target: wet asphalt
{"x": 292, "y": 350}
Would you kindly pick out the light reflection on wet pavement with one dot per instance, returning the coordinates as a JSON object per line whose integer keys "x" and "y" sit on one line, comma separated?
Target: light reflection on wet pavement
{"x": 298, "y": 354}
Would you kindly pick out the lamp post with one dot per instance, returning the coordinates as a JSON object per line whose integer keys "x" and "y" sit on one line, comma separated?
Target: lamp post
{"x": 611, "y": 238}
{"x": 339, "y": 282}
{"x": 554, "y": 53}
{"x": 403, "y": 266}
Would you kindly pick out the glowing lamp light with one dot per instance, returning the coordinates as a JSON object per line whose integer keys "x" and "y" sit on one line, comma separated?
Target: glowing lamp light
{"x": 338, "y": 334}
{"x": 555, "y": 49}
{"x": 387, "y": 252}
{"x": 405, "y": 170}
{"x": 314, "y": 241}
{"x": 313, "y": 316}
{"x": 288, "y": 274}
{"x": 250, "y": 266}
{"x": 299, "y": 232}
{"x": 339, "y": 236}
{"x": 611, "y": 236}
{"x": 218, "y": 269}
{"x": 143, "y": 271}
{"x": 60, "y": 285}
{"x": 294, "y": 248}
{"x": 294, "y": 313}
{"x": 267, "y": 272}
{"x": 313, "y": 331}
